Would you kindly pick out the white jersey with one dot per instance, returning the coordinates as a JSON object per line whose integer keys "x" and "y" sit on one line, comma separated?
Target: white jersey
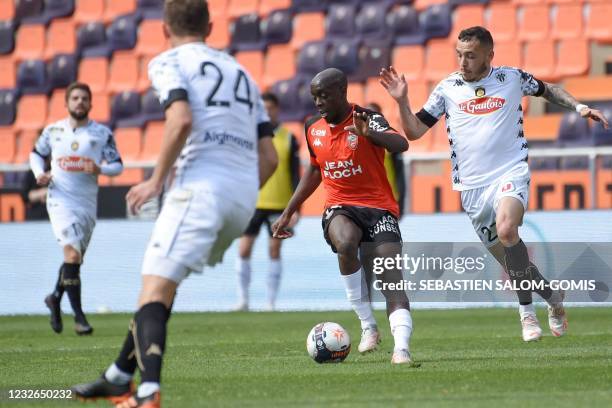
{"x": 70, "y": 149}
{"x": 221, "y": 151}
{"x": 484, "y": 122}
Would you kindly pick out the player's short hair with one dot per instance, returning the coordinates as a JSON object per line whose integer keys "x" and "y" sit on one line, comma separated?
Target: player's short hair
{"x": 187, "y": 17}
{"x": 77, "y": 85}
{"x": 477, "y": 32}
{"x": 270, "y": 97}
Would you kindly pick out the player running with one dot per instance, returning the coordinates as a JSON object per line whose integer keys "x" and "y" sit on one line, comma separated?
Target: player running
{"x": 80, "y": 149}
{"x": 489, "y": 153}
{"x": 347, "y": 145}
{"x": 216, "y": 127}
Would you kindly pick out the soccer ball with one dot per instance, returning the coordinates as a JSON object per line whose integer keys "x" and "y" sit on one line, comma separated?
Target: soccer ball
{"x": 328, "y": 343}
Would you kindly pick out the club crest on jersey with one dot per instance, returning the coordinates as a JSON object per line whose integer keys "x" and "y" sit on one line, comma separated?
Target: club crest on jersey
{"x": 351, "y": 141}
{"x": 482, "y": 106}
{"x": 507, "y": 187}
{"x": 74, "y": 146}
{"x": 480, "y": 92}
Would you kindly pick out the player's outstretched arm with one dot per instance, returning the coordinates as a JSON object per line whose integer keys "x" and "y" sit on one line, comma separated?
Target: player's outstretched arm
{"x": 397, "y": 87}
{"x": 559, "y": 96}
{"x": 308, "y": 184}
{"x": 268, "y": 159}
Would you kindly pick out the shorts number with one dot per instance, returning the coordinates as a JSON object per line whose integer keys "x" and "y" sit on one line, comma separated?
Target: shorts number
{"x": 238, "y": 85}
{"x": 487, "y": 231}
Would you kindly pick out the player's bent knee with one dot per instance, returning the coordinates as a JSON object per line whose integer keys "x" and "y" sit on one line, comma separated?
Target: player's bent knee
{"x": 347, "y": 248}
{"x": 72, "y": 255}
{"x": 507, "y": 232}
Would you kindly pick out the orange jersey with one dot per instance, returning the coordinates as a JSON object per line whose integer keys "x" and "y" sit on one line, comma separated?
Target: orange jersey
{"x": 352, "y": 167}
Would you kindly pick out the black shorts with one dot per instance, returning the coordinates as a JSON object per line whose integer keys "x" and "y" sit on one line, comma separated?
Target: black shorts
{"x": 268, "y": 217}
{"x": 377, "y": 225}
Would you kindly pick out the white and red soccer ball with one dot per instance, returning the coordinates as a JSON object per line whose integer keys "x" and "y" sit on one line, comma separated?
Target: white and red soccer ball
{"x": 328, "y": 342}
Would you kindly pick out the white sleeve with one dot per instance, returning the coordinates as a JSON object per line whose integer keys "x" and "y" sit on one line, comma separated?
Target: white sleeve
{"x": 435, "y": 105}
{"x": 167, "y": 81}
{"x": 530, "y": 85}
{"x": 111, "y": 169}
{"x": 43, "y": 144}
{"x": 110, "y": 153}
{"x": 37, "y": 164}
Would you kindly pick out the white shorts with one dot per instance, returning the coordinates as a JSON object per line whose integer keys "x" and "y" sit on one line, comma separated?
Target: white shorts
{"x": 194, "y": 229}
{"x": 71, "y": 226}
{"x": 481, "y": 203}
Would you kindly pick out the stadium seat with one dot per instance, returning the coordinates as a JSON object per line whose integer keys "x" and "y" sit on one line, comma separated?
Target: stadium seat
{"x": 440, "y": 60}
{"x": 463, "y": 2}
{"x": 219, "y": 37}
{"x": 465, "y": 16}
{"x": 53, "y": 9}
{"x": 373, "y": 55}
{"x": 418, "y": 92}
{"x": 57, "y": 106}
{"x": 343, "y": 55}
{"x": 8, "y": 73}
{"x": 307, "y": 27}
{"x": 143, "y": 76}
{"x": 535, "y": 23}
{"x": 598, "y": 25}
{"x": 409, "y": 60}
{"x": 374, "y": 92}
{"x": 122, "y": 33}
{"x": 31, "y": 112}
{"x": 129, "y": 143}
{"x": 305, "y": 103}
{"x": 150, "y": 9}
{"x": 267, "y": 6}
{"x": 574, "y": 163}
{"x": 573, "y": 130}
{"x": 312, "y": 58}
{"x": 424, "y": 4}
{"x": 543, "y": 163}
{"x": 117, "y": 8}
{"x": 502, "y": 21}
{"x": 91, "y": 40}
{"x": 123, "y": 73}
{"x": 151, "y": 109}
{"x": 8, "y": 107}
{"x": 88, "y": 11}
{"x": 246, "y": 33}
{"x": 253, "y": 62}
{"x": 508, "y": 53}
{"x": 100, "y": 107}
{"x": 277, "y": 27}
{"x": 125, "y": 108}
{"x": 32, "y": 77}
{"x": 8, "y": 143}
{"x": 153, "y": 135}
{"x": 7, "y": 10}
{"x": 340, "y": 22}
{"x": 28, "y": 9}
{"x": 237, "y": 8}
{"x": 371, "y": 21}
{"x": 590, "y": 88}
{"x": 542, "y": 127}
{"x": 601, "y": 136}
{"x": 567, "y": 22}
{"x": 151, "y": 39}
{"x": 61, "y": 38}
{"x": 308, "y": 5}
{"x": 287, "y": 91}
{"x": 61, "y": 71}
{"x": 7, "y": 37}
{"x": 30, "y": 42}
{"x": 25, "y": 144}
{"x": 94, "y": 72}
{"x": 405, "y": 27}
{"x": 540, "y": 59}
{"x": 436, "y": 21}
{"x": 573, "y": 58}
{"x": 279, "y": 64}
{"x": 356, "y": 94}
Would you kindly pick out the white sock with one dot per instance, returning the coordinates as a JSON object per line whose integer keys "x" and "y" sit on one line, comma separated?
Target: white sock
{"x": 274, "y": 277}
{"x": 116, "y": 376}
{"x": 147, "y": 388}
{"x": 526, "y": 310}
{"x": 353, "y": 285}
{"x": 243, "y": 268}
{"x": 401, "y": 328}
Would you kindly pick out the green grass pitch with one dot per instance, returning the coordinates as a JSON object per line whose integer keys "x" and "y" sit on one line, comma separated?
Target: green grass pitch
{"x": 469, "y": 358}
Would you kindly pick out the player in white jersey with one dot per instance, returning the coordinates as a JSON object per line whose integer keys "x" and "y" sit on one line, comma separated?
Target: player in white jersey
{"x": 218, "y": 129}
{"x": 80, "y": 149}
{"x": 484, "y": 122}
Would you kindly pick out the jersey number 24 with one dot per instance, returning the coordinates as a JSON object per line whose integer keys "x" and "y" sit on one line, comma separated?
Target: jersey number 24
{"x": 241, "y": 84}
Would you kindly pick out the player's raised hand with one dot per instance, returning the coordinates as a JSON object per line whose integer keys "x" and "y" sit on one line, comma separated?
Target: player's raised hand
{"x": 44, "y": 179}
{"x": 140, "y": 194}
{"x": 596, "y": 115}
{"x": 360, "y": 124}
{"x": 394, "y": 83}
{"x": 91, "y": 167}
{"x": 279, "y": 228}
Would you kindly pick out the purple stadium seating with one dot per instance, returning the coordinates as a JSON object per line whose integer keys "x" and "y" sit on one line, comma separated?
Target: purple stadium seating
{"x": 151, "y": 9}
{"x": 125, "y": 107}
{"x": 287, "y": 92}
{"x": 340, "y": 22}
{"x": 62, "y": 71}
{"x": 601, "y": 136}
{"x": 305, "y": 102}
{"x": 544, "y": 163}
{"x": 52, "y": 9}
{"x": 574, "y": 131}
{"x": 308, "y": 5}
{"x": 7, "y": 37}
{"x": 277, "y": 27}
{"x": 91, "y": 40}
{"x": 312, "y": 58}
{"x": 460, "y": 2}
{"x": 344, "y": 56}
{"x": 122, "y": 33}
{"x": 8, "y": 107}
{"x": 371, "y": 21}
{"x": 32, "y": 78}
{"x": 606, "y": 162}
{"x": 405, "y": 27}
{"x": 25, "y": 9}
{"x": 574, "y": 163}
{"x": 151, "y": 108}
{"x": 436, "y": 21}
{"x": 246, "y": 34}
{"x": 373, "y": 55}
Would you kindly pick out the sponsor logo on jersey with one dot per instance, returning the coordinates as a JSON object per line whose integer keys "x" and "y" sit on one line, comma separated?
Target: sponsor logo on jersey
{"x": 318, "y": 132}
{"x": 341, "y": 169}
{"x": 351, "y": 141}
{"x": 74, "y": 146}
{"x": 507, "y": 187}
{"x": 386, "y": 223}
{"x": 480, "y": 92}
{"x": 482, "y": 106}
{"x": 317, "y": 142}
{"x": 73, "y": 163}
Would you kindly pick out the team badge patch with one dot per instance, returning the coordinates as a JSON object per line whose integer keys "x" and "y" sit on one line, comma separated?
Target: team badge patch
{"x": 507, "y": 187}
{"x": 480, "y": 92}
{"x": 74, "y": 146}
{"x": 352, "y": 140}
